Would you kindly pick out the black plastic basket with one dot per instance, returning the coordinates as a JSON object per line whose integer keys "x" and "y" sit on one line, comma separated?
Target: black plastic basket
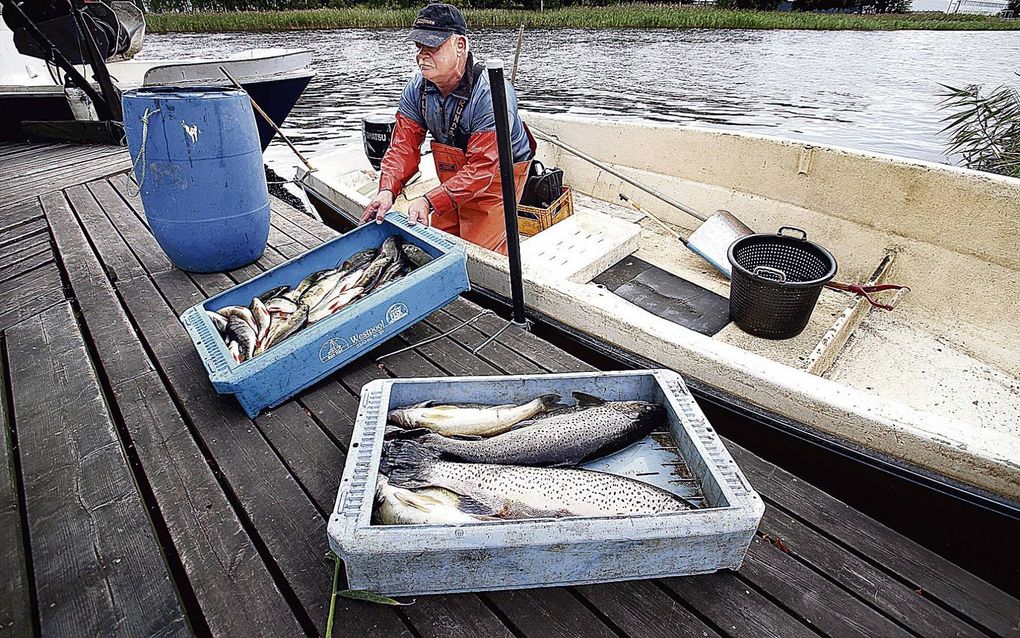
{"x": 776, "y": 282}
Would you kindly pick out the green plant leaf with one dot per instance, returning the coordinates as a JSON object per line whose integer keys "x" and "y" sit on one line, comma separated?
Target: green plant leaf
{"x": 367, "y": 596}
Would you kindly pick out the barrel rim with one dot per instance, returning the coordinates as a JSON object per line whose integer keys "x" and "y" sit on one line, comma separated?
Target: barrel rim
{"x": 203, "y": 92}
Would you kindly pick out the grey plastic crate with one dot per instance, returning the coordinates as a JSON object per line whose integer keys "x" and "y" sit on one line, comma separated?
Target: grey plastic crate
{"x": 427, "y": 559}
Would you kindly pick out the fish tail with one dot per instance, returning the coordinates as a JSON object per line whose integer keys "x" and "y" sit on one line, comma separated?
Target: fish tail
{"x": 407, "y": 464}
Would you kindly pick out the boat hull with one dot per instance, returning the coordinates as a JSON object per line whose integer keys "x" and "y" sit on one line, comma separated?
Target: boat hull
{"x": 957, "y": 425}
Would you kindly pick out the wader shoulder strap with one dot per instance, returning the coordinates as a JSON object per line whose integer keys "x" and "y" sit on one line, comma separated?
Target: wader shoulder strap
{"x": 452, "y": 133}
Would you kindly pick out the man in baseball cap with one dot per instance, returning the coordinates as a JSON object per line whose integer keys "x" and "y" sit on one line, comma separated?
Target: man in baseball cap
{"x": 450, "y": 98}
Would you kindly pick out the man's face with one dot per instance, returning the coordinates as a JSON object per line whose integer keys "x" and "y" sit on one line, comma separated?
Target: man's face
{"x": 440, "y": 64}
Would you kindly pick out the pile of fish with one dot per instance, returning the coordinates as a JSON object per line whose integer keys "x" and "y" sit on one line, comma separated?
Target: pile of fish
{"x": 456, "y": 464}
{"x": 281, "y": 312}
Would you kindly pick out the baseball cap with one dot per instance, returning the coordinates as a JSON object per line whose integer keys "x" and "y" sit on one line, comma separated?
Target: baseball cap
{"x": 436, "y": 23}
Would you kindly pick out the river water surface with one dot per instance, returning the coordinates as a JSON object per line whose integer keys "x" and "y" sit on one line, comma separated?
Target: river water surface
{"x": 875, "y": 91}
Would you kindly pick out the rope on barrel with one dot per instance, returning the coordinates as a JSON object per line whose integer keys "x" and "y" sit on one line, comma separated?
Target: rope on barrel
{"x": 141, "y": 154}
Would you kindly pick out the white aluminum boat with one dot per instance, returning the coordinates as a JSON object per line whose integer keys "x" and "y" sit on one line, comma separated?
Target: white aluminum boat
{"x": 933, "y": 385}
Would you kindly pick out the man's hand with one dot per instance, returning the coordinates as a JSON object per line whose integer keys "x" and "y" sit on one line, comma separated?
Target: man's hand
{"x": 378, "y": 207}
{"x": 419, "y": 211}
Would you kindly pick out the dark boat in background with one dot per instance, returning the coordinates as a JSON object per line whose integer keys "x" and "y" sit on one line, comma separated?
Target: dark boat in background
{"x": 40, "y": 99}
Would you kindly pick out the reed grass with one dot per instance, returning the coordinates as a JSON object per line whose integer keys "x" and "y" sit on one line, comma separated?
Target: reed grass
{"x": 635, "y": 16}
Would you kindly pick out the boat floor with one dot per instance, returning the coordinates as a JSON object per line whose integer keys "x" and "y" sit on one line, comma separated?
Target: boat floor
{"x": 892, "y": 354}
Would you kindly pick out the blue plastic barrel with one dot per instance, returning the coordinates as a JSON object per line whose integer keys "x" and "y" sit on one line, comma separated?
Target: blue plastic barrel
{"x": 198, "y": 162}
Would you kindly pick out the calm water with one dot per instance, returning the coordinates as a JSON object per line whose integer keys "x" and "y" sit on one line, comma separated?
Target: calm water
{"x": 871, "y": 91}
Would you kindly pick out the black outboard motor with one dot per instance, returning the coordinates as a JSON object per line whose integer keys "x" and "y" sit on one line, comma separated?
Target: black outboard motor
{"x": 377, "y": 131}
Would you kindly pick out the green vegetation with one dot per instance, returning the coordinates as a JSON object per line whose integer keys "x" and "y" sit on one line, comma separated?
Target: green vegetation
{"x": 636, "y": 16}
{"x": 984, "y": 129}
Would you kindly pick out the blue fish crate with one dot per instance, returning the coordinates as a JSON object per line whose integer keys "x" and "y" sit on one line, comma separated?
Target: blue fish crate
{"x": 688, "y": 459}
{"x": 316, "y": 351}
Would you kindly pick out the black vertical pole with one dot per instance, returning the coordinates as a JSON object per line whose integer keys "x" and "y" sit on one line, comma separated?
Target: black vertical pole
{"x": 506, "y": 172}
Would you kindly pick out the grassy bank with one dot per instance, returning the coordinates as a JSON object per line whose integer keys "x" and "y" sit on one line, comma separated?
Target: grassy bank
{"x": 620, "y": 16}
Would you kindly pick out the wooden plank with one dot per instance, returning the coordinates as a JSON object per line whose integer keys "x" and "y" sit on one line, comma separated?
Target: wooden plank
{"x": 333, "y": 406}
{"x": 314, "y": 460}
{"x": 15, "y": 599}
{"x": 26, "y": 265}
{"x": 29, "y": 294}
{"x": 118, "y": 259}
{"x": 866, "y": 581}
{"x": 96, "y": 561}
{"x": 812, "y": 596}
{"x": 643, "y": 610}
{"x": 294, "y": 231}
{"x": 454, "y": 616}
{"x": 922, "y": 569}
{"x": 527, "y": 344}
{"x": 857, "y": 309}
{"x": 23, "y": 289}
{"x": 65, "y": 177}
{"x": 321, "y": 231}
{"x": 18, "y": 214}
{"x": 231, "y": 584}
{"x": 28, "y": 248}
{"x": 738, "y": 611}
{"x": 288, "y": 524}
{"x": 495, "y": 354}
{"x": 20, "y": 233}
{"x": 135, "y": 234}
{"x": 551, "y": 613}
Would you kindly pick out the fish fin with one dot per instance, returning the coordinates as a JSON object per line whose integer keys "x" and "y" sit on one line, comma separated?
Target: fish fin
{"x": 565, "y": 463}
{"x": 587, "y": 400}
{"x": 420, "y": 502}
{"x": 522, "y": 424}
{"x": 400, "y": 433}
{"x": 465, "y": 437}
{"x": 471, "y": 505}
{"x": 407, "y": 463}
{"x": 550, "y": 401}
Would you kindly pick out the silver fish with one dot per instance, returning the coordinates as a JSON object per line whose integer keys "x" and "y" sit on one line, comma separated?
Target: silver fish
{"x": 263, "y": 319}
{"x": 359, "y": 260}
{"x": 341, "y": 286}
{"x": 278, "y": 305}
{"x": 240, "y": 312}
{"x": 336, "y": 304}
{"x": 431, "y": 506}
{"x": 274, "y": 292}
{"x": 308, "y": 282}
{"x": 599, "y": 428}
{"x": 373, "y": 272}
{"x": 514, "y": 491}
{"x": 219, "y": 321}
{"x": 320, "y": 289}
{"x": 392, "y": 272}
{"x": 415, "y": 255}
{"x": 390, "y": 247}
{"x": 234, "y": 350}
{"x": 454, "y": 420}
{"x": 244, "y": 335}
{"x": 280, "y": 330}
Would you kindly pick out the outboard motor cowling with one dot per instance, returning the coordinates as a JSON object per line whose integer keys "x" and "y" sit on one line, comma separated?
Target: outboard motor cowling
{"x": 377, "y": 131}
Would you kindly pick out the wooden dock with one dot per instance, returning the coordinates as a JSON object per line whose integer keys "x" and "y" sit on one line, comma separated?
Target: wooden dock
{"x": 135, "y": 501}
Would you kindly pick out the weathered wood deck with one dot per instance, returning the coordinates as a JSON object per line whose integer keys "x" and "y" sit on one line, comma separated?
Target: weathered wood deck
{"x": 135, "y": 501}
